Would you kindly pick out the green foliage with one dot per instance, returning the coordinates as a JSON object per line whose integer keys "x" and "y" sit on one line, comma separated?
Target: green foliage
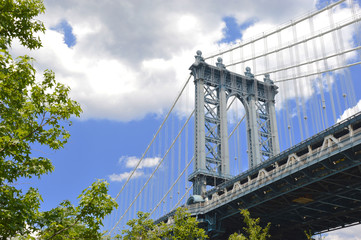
{"x": 81, "y": 222}
{"x": 253, "y": 230}
{"x": 143, "y": 228}
{"x": 37, "y": 111}
{"x": 18, "y": 212}
{"x": 183, "y": 227}
{"x": 30, "y": 112}
{"x": 308, "y": 234}
{"x": 236, "y": 236}
{"x": 17, "y": 21}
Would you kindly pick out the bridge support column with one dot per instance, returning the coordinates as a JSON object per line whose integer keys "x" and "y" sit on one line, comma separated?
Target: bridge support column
{"x": 200, "y": 153}
{"x": 274, "y": 130}
{"x": 199, "y": 185}
{"x": 254, "y": 153}
{"x": 223, "y": 124}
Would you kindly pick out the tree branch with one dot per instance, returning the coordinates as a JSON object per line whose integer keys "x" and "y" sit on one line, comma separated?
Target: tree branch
{"x": 72, "y": 225}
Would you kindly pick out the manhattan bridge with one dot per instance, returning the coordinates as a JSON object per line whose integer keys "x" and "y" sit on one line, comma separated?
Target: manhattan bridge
{"x": 269, "y": 124}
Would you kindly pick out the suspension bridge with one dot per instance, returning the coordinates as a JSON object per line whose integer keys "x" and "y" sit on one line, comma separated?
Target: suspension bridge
{"x": 271, "y": 125}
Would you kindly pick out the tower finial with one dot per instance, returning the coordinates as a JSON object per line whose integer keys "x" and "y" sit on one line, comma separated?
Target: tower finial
{"x": 199, "y": 57}
{"x": 267, "y": 78}
{"x": 220, "y": 64}
{"x": 248, "y": 73}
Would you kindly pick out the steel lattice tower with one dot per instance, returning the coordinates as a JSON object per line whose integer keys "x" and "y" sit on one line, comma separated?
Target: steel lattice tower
{"x": 214, "y": 85}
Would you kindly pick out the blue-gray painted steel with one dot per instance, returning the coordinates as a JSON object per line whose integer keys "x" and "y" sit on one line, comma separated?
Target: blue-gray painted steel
{"x": 315, "y": 185}
{"x": 214, "y": 85}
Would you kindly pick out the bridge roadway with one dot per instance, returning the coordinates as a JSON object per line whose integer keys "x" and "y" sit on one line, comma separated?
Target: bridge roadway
{"x": 314, "y": 186}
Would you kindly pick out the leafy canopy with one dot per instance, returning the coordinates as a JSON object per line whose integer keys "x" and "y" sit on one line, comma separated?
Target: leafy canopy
{"x": 253, "y": 229}
{"x": 81, "y": 222}
{"x": 36, "y": 111}
{"x": 17, "y": 21}
{"x": 183, "y": 227}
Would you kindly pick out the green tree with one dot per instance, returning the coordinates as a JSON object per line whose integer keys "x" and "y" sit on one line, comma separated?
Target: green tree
{"x": 36, "y": 111}
{"x": 17, "y": 21}
{"x": 143, "y": 228}
{"x": 253, "y": 229}
{"x": 183, "y": 227}
{"x": 81, "y": 222}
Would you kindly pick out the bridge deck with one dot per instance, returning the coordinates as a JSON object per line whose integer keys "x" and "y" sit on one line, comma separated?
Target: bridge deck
{"x": 315, "y": 185}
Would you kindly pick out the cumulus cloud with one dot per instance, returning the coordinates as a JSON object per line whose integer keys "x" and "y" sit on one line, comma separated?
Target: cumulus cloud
{"x": 350, "y": 233}
{"x": 125, "y": 175}
{"x": 132, "y": 161}
{"x": 350, "y": 111}
{"x": 131, "y": 57}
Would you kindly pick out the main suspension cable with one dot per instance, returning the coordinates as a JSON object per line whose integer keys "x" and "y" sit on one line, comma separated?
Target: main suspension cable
{"x": 316, "y": 73}
{"x": 354, "y": 20}
{"x": 146, "y": 183}
{"x": 154, "y": 137}
{"x": 278, "y": 30}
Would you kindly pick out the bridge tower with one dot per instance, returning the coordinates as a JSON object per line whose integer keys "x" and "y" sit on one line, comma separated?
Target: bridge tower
{"x": 214, "y": 85}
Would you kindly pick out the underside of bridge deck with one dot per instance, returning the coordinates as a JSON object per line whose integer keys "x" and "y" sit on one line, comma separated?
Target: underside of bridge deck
{"x": 322, "y": 197}
{"x": 314, "y": 186}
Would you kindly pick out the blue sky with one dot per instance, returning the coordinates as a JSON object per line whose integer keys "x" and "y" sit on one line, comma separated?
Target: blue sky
{"x": 65, "y": 28}
{"x": 125, "y": 67}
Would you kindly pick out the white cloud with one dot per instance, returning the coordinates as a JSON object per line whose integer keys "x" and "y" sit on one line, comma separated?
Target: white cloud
{"x": 350, "y": 233}
{"x": 125, "y": 175}
{"x": 302, "y": 87}
{"x": 131, "y": 57}
{"x": 350, "y": 111}
{"x": 132, "y": 161}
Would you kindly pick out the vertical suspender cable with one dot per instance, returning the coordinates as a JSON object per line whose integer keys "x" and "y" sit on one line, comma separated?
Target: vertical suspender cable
{"x": 314, "y": 107}
{"x": 343, "y": 83}
{"x": 180, "y": 200}
{"x": 170, "y": 189}
{"x": 186, "y": 138}
{"x": 282, "y": 96}
{"x": 265, "y": 51}
{"x": 328, "y": 80}
{"x": 337, "y": 50}
{"x": 352, "y": 98}
{"x": 242, "y": 64}
{"x": 154, "y": 171}
{"x": 309, "y": 88}
{"x": 166, "y": 166}
{"x": 295, "y": 83}
{"x": 172, "y": 166}
{"x": 253, "y": 59}
{"x": 320, "y": 84}
{"x": 301, "y": 98}
{"x": 179, "y": 159}
{"x": 280, "y": 29}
